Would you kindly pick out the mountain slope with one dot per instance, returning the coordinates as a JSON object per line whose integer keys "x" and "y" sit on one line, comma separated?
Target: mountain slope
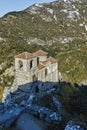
{"x": 46, "y": 21}
{"x": 58, "y": 27}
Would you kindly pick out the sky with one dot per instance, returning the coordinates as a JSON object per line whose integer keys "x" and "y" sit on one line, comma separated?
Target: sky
{"x": 17, "y": 5}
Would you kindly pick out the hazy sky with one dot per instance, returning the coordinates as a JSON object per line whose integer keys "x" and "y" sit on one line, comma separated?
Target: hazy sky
{"x": 17, "y": 5}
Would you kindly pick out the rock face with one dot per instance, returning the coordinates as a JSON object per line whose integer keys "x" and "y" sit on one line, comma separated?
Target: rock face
{"x": 5, "y": 93}
{"x": 44, "y": 113}
{"x": 61, "y": 14}
{"x": 60, "y": 24}
{"x": 22, "y": 99}
{"x": 56, "y": 102}
{"x": 7, "y": 117}
{"x": 44, "y": 87}
{"x": 72, "y": 126}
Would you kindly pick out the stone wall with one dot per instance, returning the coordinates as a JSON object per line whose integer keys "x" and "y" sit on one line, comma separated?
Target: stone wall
{"x": 24, "y": 73}
{"x": 17, "y": 64}
{"x": 42, "y": 58}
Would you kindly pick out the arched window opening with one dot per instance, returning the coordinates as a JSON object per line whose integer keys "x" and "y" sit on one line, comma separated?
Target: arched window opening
{"x": 20, "y": 65}
{"x": 37, "y": 60}
{"x": 31, "y": 64}
{"x": 46, "y": 72}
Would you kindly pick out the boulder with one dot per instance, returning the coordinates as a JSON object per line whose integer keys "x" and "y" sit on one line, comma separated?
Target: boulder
{"x": 57, "y": 103}
{"x": 44, "y": 113}
{"x": 72, "y": 126}
{"x": 10, "y": 115}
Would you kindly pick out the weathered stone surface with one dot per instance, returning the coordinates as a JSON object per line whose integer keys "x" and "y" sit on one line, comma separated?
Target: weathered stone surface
{"x": 7, "y": 117}
{"x": 22, "y": 99}
{"x": 30, "y": 67}
{"x": 1, "y": 107}
{"x": 56, "y": 102}
{"x": 72, "y": 126}
{"x": 44, "y": 113}
{"x": 5, "y": 93}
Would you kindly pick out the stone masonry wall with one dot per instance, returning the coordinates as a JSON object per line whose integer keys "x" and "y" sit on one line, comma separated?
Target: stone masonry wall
{"x": 25, "y": 74}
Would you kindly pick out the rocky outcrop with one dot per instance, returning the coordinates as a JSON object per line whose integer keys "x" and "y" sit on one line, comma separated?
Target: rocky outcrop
{"x": 72, "y": 126}
{"x": 44, "y": 113}
{"x": 22, "y": 99}
{"x": 5, "y": 93}
{"x": 7, "y": 90}
{"x": 56, "y": 102}
{"x": 9, "y": 115}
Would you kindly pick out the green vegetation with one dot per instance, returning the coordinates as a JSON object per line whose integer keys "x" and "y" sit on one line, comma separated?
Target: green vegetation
{"x": 74, "y": 102}
{"x": 1, "y": 92}
{"x": 16, "y": 28}
{"x": 5, "y": 81}
{"x": 78, "y": 101}
{"x": 72, "y": 59}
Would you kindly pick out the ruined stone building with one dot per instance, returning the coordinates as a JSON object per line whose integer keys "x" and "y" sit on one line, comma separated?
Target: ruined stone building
{"x": 30, "y": 67}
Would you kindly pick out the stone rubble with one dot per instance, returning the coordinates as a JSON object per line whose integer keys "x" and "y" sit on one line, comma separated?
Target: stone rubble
{"x": 22, "y": 99}
{"x": 72, "y": 126}
{"x": 7, "y": 117}
{"x": 44, "y": 113}
{"x": 56, "y": 102}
